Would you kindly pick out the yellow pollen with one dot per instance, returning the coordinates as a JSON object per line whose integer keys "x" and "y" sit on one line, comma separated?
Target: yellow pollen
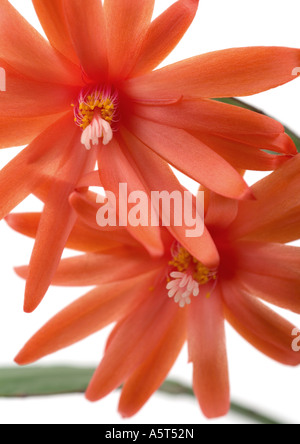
{"x": 183, "y": 261}
{"x": 92, "y": 103}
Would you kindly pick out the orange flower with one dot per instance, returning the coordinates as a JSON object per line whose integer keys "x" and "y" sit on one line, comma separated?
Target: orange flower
{"x": 100, "y": 60}
{"x": 158, "y": 303}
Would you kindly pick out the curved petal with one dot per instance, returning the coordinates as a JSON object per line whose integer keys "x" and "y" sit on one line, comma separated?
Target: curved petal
{"x": 28, "y": 98}
{"x": 85, "y": 316}
{"x": 246, "y": 153}
{"x": 116, "y": 170}
{"x": 52, "y": 18}
{"x": 276, "y": 208}
{"x": 151, "y": 374}
{"x": 190, "y": 156}
{"x": 133, "y": 339}
{"x": 21, "y": 131}
{"x": 22, "y": 47}
{"x": 226, "y": 73}
{"x": 34, "y": 165}
{"x": 86, "y": 211}
{"x": 86, "y": 23}
{"x": 158, "y": 176}
{"x": 58, "y": 213}
{"x": 207, "y": 352}
{"x": 271, "y": 272}
{"x": 210, "y": 116}
{"x": 127, "y": 22}
{"x": 100, "y": 268}
{"x": 82, "y": 238}
{"x": 164, "y": 34}
{"x": 263, "y": 328}
{"x": 221, "y": 211}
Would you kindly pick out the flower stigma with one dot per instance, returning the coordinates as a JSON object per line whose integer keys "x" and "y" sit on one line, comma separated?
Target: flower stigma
{"x": 96, "y": 114}
{"x": 187, "y": 276}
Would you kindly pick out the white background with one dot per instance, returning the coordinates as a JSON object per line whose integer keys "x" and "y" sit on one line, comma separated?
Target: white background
{"x": 255, "y": 380}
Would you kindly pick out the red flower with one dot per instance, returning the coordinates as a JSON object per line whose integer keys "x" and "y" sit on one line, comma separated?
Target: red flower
{"x": 100, "y": 59}
{"x": 158, "y": 303}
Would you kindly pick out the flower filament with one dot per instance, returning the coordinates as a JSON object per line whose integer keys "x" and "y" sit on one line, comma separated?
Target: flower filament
{"x": 187, "y": 276}
{"x": 95, "y": 113}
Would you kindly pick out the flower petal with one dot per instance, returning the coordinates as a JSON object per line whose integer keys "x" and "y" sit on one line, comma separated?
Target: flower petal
{"x": 226, "y": 73}
{"x": 207, "y": 352}
{"x": 57, "y": 213}
{"x": 82, "y": 238}
{"x": 35, "y": 164}
{"x": 21, "y": 131}
{"x": 210, "y": 116}
{"x": 86, "y": 23}
{"x": 52, "y": 18}
{"x": 151, "y": 374}
{"x": 220, "y": 212}
{"x": 158, "y": 176}
{"x": 22, "y": 47}
{"x": 247, "y": 154}
{"x": 271, "y": 272}
{"x": 85, "y": 316}
{"x": 263, "y": 328}
{"x": 276, "y": 208}
{"x": 127, "y": 22}
{"x": 115, "y": 169}
{"x": 133, "y": 339}
{"x": 164, "y": 34}
{"x": 28, "y": 98}
{"x": 95, "y": 269}
{"x": 190, "y": 156}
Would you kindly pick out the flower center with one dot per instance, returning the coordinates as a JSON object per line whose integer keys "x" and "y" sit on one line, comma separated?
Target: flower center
{"x": 96, "y": 114}
{"x": 186, "y": 277}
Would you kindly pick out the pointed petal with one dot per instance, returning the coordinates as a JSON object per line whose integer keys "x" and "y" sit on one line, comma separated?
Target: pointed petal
{"x": 151, "y": 374}
{"x": 190, "y": 156}
{"x": 57, "y": 213}
{"x": 21, "y": 131}
{"x": 221, "y": 211}
{"x": 245, "y": 152}
{"x": 276, "y": 207}
{"x": 52, "y": 18}
{"x": 33, "y": 165}
{"x": 85, "y": 316}
{"x": 27, "y": 98}
{"x": 23, "y": 48}
{"x": 263, "y": 328}
{"x": 164, "y": 34}
{"x": 86, "y": 211}
{"x": 158, "y": 176}
{"x": 86, "y": 23}
{"x": 271, "y": 272}
{"x": 82, "y": 238}
{"x": 226, "y": 73}
{"x": 101, "y": 268}
{"x": 210, "y": 116}
{"x": 127, "y": 23}
{"x": 115, "y": 169}
{"x": 133, "y": 339}
{"x": 207, "y": 352}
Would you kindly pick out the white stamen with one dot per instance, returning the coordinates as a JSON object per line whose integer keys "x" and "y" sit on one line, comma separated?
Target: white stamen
{"x": 98, "y": 128}
{"x": 181, "y": 287}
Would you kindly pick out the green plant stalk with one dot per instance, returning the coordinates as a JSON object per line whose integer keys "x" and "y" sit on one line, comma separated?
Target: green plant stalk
{"x": 23, "y": 382}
